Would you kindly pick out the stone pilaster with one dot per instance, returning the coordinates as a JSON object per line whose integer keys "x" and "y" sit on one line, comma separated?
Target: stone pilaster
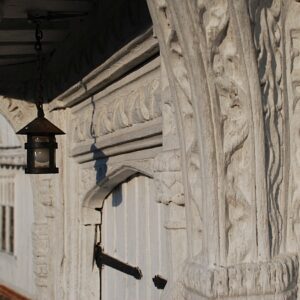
{"x": 224, "y": 61}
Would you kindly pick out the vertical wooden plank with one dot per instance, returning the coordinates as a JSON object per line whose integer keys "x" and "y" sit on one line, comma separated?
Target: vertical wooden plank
{"x": 118, "y": 206}
{"x": 142, "y": 242}
{"x": 148, "y": 224}
{"x": 3, "y": 231}
{"x": 154, "y": 243}
{"x": 7, "y": 217}
{"x": 112, "y": 274}
{"x": 7, "y": 220}
{"x": 103, "y": 243}
{"x": 137, "y": 240}
{"x": 106, "y": 232}
{"x": 126, "y": 213}
{"x": 132, "y": 236}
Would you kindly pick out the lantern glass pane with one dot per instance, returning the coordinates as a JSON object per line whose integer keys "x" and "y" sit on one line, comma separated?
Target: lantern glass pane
{"x": 41, "y": 155}
{"x": 41, "y": 158}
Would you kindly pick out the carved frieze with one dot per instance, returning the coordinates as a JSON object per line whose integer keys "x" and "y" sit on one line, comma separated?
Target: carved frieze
{"x": 133, "y": 101}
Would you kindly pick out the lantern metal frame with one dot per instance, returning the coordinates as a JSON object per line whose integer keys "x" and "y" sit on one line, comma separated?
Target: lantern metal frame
{"x": 40, "y": 127}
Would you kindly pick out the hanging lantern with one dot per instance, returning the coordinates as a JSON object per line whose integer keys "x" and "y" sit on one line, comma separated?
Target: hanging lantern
{"x": 41, "y": 145}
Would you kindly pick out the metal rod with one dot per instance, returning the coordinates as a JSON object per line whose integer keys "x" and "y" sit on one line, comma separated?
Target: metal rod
{"x": 105, "y": 259}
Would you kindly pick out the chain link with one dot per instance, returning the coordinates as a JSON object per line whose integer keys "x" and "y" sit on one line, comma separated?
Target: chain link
{"x": 38, "y": 37}
{"x": 39, "y": 52}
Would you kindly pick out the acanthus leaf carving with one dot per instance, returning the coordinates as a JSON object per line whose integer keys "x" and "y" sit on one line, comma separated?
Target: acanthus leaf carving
{"x": 208, "y": 50}
{"x": 125, "y": 110}
{"x": 269, "y": 46}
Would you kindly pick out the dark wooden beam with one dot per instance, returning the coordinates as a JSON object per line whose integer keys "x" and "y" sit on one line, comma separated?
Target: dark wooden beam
{"x": 19, "y": 49}
{"x": 19, "y": 8}
{"x": 24, "y": 24}
{"x": 29, "y": 35}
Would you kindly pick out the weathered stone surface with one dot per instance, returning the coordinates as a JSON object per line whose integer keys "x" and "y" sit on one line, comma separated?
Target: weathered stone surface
{"x": 215, "y": 122}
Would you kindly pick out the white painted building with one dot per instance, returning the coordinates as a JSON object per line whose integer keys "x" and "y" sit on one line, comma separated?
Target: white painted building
{"x": 180, "y": 163}
{"x": 16, "y": 215}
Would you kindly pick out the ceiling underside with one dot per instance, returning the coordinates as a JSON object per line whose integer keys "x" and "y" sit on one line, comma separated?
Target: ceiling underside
{"x": 78, "y": 36}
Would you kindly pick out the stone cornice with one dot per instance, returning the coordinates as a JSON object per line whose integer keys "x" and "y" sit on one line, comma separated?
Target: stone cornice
{"x": 131, "y": 55}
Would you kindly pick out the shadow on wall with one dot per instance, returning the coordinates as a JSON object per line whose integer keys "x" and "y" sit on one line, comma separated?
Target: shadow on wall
{"x": 100, "y": 165}
{"x": 99, "y": 157}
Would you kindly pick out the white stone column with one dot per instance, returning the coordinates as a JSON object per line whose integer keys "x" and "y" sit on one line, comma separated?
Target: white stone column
{"x": 224, "y": 65}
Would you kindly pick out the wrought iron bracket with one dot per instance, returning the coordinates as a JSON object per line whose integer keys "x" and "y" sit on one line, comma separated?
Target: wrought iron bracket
{"x": 105, "y": 259}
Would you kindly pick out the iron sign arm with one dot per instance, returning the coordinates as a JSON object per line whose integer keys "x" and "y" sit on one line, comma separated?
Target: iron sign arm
{"x": 105, "y": 259}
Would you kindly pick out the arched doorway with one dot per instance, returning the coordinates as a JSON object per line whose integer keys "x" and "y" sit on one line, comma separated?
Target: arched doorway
{"x": 132, "y": 232}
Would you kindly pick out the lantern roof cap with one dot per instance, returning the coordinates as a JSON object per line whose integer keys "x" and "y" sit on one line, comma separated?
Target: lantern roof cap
{"x": 40, "y": 126}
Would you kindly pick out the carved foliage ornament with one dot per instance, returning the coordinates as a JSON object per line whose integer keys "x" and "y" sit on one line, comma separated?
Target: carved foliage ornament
{"x": 292, "y": 32}
{"x": 267, "y": 29}
{"x": 139, "y": 106}
{"x": 215, "y": 104}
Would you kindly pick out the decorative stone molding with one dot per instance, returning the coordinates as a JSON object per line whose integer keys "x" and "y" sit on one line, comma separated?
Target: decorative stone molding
{"x": 277, "y": 277}
{"x": 119, "y": 63}
{"x": 134, "y": 108}
{"x": 230, "y": 116}
{"x": 87, "y": 181}
{"x": 41, "y": 232}
{"x": 41, "y": 251}
{"x": 17, "y": 112}
{"x": 268, "y": 36}
{"x": 111, "y": 176}
{"x": 168, "y": 178}
{"x": 292, "y": 50}
{"x": 132, "y": 101}
{"x": 219, "y": 119}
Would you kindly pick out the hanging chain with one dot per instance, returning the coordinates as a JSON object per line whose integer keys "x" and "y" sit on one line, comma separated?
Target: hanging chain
{"x": 39, "y": 52}
{"x": 38, "y": 38}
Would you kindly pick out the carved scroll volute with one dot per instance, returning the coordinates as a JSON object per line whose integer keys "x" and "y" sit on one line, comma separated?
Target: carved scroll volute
{"x": 209, "y": 55}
